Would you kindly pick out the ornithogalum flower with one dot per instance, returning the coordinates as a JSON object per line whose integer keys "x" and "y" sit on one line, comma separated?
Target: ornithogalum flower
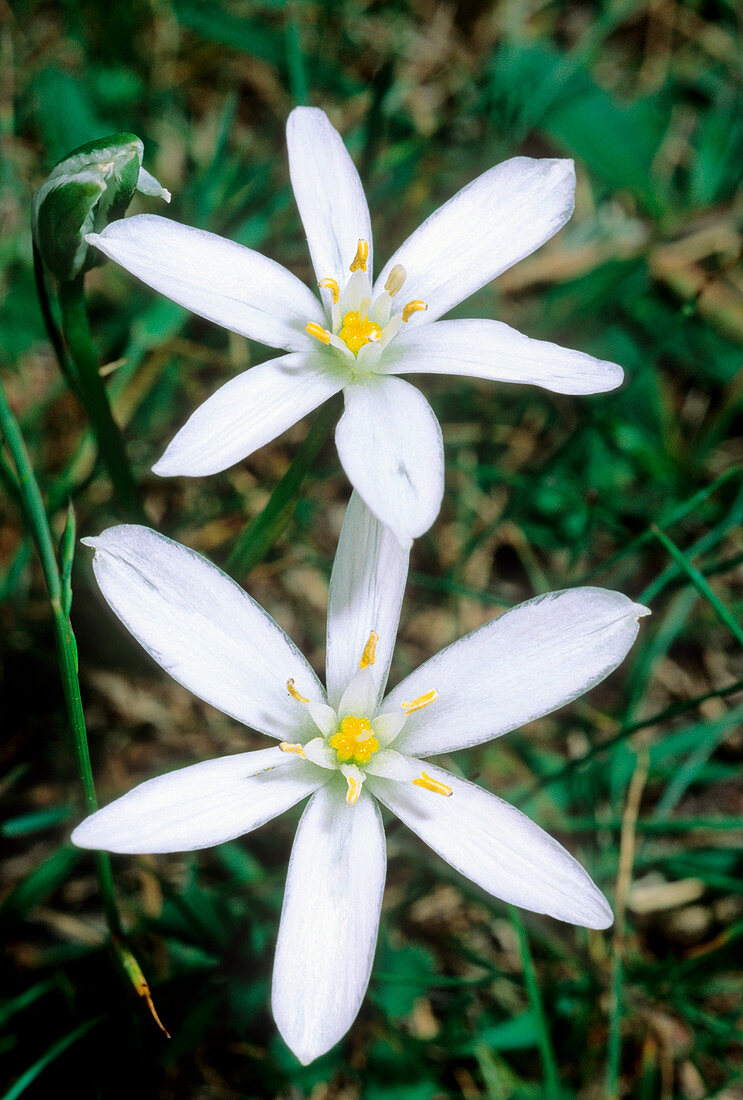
{"x": 359, "y": 334}
{"x": 351, "y": 747}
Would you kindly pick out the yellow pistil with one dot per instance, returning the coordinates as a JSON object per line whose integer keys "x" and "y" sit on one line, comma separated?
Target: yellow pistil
{"x": 420, "y": 702}
{"x": 362, "y": 255}
{"x": 332, "y": 286}
{"x": 318, "y": 332}
{"x": 286, "y": 746}
{"x": 294, "y": 693}
{"x": 354, "y": 742}
{"x": 432, "y": 785}
{"x": 370, "y": 649}
{"x": 354, "y": 790}
{"x": 357, "y": 331}
{"x": 413, "y": 307}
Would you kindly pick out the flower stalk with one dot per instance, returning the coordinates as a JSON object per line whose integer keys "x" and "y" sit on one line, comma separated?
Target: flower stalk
{"x": 92, "y": 392}
{"x": 59, "y": 598}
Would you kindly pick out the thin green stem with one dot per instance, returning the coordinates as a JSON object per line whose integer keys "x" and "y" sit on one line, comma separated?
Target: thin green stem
{"x": 260, "y": 534}
{"x": 549, "y": 1062}
{"x": 52, "y": 329}
{"x": 33, "y": 507}
{"x": 92, "y": 392}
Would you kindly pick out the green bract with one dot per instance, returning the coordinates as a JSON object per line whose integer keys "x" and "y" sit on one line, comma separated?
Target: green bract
{"x": 89, "y": 187}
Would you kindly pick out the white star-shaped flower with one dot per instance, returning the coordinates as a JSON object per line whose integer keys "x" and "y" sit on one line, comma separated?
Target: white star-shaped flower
{"x": 352, "y": 746}
{"x": 358, "y": 336}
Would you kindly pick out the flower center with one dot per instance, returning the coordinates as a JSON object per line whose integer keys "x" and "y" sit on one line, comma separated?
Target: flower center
{"x": 354, "y": 741}
{"x": 357, "y": 319}
{"x": 358, "y": 330}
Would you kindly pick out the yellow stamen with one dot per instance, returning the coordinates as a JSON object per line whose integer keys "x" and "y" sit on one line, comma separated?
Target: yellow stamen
{"x": 354, "y": 790}
{"x": 294, "y": 693}
{"x": 370, "y": 649}
{"x": 332, "y": 286}
{"x": 286, "y": 746}
{"x": 319, "y": 332}
{"x": 362, "y": 255}
{"x": 354, "y": 741}
{"x": 413, "y": 307}
{"x": 433, "y": 785}
{"x": 395, "y": 279}
{"x": 357, "y": 331}
{"x": 420, "y": 702}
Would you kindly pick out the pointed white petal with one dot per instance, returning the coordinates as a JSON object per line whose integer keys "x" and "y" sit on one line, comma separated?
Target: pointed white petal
{"x": 216, "y": 278}
{"x": 497, "y": 220}
{"x": 248, "y": 412}
{"x": 204, "y": 630}
{"x": 366, "y": 590}
{"x": 329, "y": 921}
{"x": 360, "y": 696}
{"x": 390, "y": 445}
{"x": 523, "y": 664}
{"x": 202, "y": 805}
{"x": 329, "y": 194}
{"x": 387, "y": 726}
{"x": 498, "y": 847}
{"x": 490, "y": 349}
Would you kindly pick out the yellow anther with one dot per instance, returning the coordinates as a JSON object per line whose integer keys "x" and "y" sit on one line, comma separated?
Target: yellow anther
{"x": 286, "y": 746}
{"x": 413, "y": 307}
{"x": 432, "y": 785}
{"x": 319, "y": 332}
{"x": 420, "y": 702}
{"x": 362, "y": 255}
{"x": 370, "y": 649}
{"x": 332, "y": 286}
{"x": 354, "y": 741}
{"x": 355, "y": 331}
{"x": 354, "y": 790}
{"x": 294, "y": 693}
{"x": 395, "y": 279}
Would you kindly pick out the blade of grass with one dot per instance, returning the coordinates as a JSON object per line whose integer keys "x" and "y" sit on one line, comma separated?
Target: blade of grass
{"x": 696, "y": 578}
{"x": 549, "y": 1061}
{"x": 261, "y": 533}
{"x": 54, "y": 1051}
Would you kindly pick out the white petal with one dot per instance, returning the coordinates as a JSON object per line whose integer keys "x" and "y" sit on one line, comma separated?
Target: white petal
{"x": 204, "y": 630}
{"x": 248, "y": 412}
{"x": 216, "y": 278}
{"x": 202, "y": 805}
{"x": 523, "y": 664}
{"x": 329, "y": 921}
{"x": 360, "y": 696}
{"x": 498, "y": 847}
{"x": 366, "y": 590}
{"x": 389, "y": 442}
{"x": 497, "y": 220}
{"x": 329, "y": 194}
{"x": 490, "y": 349}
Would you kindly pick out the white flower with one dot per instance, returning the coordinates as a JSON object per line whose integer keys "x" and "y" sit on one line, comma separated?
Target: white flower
{"x": 359, "y": 336}
{"x": 351, "y": 746}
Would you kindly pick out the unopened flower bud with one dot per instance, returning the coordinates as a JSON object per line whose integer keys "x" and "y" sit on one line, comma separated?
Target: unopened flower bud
{"x": 88, "y": 188}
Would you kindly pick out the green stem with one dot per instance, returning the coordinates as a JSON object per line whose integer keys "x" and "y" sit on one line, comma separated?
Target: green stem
{"x": 549, "y": 1062}
{"x": 260, "y": 534}
{"x": 36, "y": 518}
{"x": 93, "y": 394}
{"x": 52, "y": 329}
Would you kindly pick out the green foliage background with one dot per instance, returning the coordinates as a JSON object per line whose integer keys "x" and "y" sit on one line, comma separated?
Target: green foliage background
{"x": 639, "y": 490}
